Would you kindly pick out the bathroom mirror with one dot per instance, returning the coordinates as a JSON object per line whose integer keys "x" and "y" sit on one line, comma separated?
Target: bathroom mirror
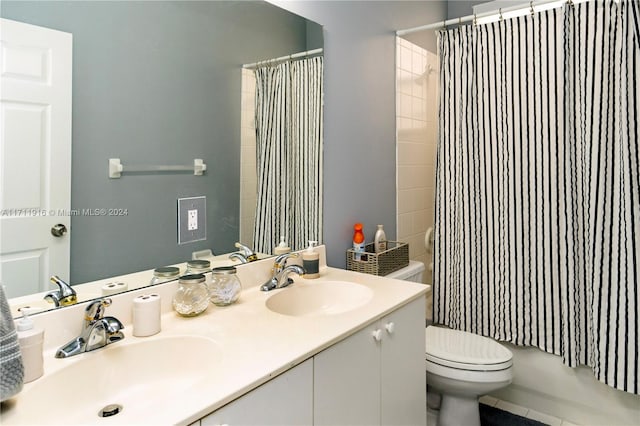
{"x": 158, "y": 83}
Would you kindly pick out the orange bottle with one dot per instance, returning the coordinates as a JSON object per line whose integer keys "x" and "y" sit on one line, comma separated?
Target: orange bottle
{"x": 358, "y": 241}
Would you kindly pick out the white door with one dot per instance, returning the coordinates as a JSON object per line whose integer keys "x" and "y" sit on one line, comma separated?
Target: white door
{"x": 35, "y": 155}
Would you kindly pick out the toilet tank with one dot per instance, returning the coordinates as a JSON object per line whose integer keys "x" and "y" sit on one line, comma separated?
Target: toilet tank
{"x": 414, "y": 272}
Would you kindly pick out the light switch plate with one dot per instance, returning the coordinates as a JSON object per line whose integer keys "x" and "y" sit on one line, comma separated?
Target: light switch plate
{"x": 192, "y": 219}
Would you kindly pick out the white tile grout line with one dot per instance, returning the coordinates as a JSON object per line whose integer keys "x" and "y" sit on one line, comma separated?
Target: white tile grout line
{"x": 524, "y": 411}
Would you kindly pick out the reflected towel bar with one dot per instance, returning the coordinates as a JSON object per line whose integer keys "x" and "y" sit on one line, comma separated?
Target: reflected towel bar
{"x": 116, "y": 168}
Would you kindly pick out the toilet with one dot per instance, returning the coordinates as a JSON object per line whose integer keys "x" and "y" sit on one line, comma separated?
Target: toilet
{"x": 460, "y": 366}
{"x": 463, "y": 366}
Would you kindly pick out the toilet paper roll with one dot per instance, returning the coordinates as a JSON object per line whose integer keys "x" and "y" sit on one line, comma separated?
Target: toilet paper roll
{"x": 146, "y": 315}
{"x": 114, "y": 288}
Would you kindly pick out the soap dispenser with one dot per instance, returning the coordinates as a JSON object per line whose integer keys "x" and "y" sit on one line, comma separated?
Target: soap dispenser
{"x": 281, "y": 248}
{"x": 30, "y": 340}
{"x": 311, "y": 261}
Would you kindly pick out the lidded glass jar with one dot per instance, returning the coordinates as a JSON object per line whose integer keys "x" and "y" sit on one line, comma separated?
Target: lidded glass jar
{"x": 192, "y": 297}
{"x": 225, "y": 286}
{"x": 200, "y": 266}
{"x": 164, "y": 274}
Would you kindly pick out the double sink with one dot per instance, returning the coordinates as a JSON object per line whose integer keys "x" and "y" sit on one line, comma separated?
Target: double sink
{"x": 127, "y": 381}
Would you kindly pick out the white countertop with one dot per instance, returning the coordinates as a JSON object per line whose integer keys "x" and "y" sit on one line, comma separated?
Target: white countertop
{"x": 255, "y": 344}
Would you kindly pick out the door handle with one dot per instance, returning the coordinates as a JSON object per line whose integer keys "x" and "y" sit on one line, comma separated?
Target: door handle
{"x": 58, "y": 230}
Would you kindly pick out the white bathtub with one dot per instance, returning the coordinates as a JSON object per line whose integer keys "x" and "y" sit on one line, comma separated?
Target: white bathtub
{"x": 543, "y": 383}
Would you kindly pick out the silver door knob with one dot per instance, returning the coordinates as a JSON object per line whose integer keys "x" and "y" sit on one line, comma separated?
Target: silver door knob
{"x": 58, "y": 230}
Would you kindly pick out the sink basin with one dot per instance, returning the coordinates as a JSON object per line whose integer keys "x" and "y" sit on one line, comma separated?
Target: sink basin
{"x": 321, "y": 298}
{"x": 143, "y": 377}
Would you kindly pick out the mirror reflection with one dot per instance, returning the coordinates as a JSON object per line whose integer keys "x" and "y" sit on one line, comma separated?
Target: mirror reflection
{"x": 152, "y": 83}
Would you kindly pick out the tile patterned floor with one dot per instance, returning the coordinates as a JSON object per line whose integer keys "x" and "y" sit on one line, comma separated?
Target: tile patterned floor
{"x": 524, "y": 411}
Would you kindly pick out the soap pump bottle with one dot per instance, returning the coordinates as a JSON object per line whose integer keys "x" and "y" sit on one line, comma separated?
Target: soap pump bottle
{"x": 281, "y": 248}
{"x": 30, "y": 340}
{"x": 311, "y": 261}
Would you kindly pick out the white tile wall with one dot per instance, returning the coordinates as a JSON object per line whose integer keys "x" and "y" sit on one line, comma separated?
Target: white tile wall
{"x": 416, "y": 93}
{"x": 416, "y": 122}
{"x": 248, "y": 178}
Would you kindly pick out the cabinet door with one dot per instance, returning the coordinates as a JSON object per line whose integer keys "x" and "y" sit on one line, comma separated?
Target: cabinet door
{"x": 346, "y": 382}
{"x": 403, "y": 382}
{"x": 285, "y": 400}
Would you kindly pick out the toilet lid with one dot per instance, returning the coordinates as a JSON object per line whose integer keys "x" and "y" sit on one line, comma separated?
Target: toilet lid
{"x": 460, "y": 349}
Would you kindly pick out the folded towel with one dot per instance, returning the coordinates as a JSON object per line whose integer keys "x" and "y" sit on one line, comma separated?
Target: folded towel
{"x": 11, "y": 368}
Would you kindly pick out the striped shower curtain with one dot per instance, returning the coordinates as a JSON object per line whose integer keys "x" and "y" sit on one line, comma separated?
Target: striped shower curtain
{"x": 289, "y": 111}
{"x": 538, "y": 184}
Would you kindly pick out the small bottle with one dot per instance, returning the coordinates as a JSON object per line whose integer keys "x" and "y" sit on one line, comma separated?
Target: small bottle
{"x": 311, "y": 261}
{"x": 30, "y": 340}
{"x": 380, "y": 240}
{"x": 281, "y": 248}
{"x": 164, "y": 274}
{"x": 358, "y": 241}
{"x": 192, "y": 297}
{"x": 225, "y": 286}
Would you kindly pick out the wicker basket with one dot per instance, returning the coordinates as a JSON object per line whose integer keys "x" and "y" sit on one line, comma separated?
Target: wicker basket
{"x": 395, "y": 257}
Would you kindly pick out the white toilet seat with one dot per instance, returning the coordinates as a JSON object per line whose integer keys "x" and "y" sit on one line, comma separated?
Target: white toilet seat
{"x": 468, "y": 366}
{"x": 467, "y": 357}
{"x": 469, "y": 376}
{"x": 465, "y": 351}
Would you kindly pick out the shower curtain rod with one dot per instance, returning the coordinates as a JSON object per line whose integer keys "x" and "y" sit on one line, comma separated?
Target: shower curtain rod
{"x": 475, "y": 17}
{"x": 283, "y": 58}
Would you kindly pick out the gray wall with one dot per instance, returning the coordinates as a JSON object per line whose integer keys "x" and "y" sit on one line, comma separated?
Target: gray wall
{"x": 158, "y": 83}
{"x": 461, "y": 8}
{"x": 360, "y": 111}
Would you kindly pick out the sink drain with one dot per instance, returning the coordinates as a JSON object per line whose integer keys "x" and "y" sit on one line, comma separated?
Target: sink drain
{"x": 110, "y": 410}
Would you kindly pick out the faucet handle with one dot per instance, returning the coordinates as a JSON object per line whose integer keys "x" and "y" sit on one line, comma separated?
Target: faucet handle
{"x": 280, "y": 261}
{"x": 65, "y": 295}
{"x": 95, "y": 310}
{"x": 247, "y": 252}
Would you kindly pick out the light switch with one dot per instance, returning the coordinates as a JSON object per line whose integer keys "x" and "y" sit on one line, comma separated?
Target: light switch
{"x": 192, "y": 219}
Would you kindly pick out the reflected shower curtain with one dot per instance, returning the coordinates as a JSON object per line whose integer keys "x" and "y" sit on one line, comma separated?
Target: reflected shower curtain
{"x": 538, "y": 190}
{"x": 289, "y": 111}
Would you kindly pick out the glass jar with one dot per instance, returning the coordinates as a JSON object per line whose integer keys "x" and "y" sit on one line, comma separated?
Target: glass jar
{"x": 225, "y": 286}
{"x": 199, "y": 266}
{"x": 164, "y": 274}
{"x": 192, "y": 297}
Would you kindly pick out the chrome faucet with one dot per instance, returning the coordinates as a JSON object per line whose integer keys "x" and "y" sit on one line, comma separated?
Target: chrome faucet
{"x": 281, "y": 261}
{"x": 238, "y": 256}
{"x": 249, "y": 254}
{"x": 97, "y": 331}
{"x": 278, "y": 265}
{"x": 65, "y": 295}
{"x": 281, "y": 279}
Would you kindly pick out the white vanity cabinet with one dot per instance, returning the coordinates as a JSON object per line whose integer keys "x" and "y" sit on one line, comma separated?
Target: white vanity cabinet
{"x": 376, "y": 376}
{"x": 285, "y": 400}
{"x": 373, "y": 377}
